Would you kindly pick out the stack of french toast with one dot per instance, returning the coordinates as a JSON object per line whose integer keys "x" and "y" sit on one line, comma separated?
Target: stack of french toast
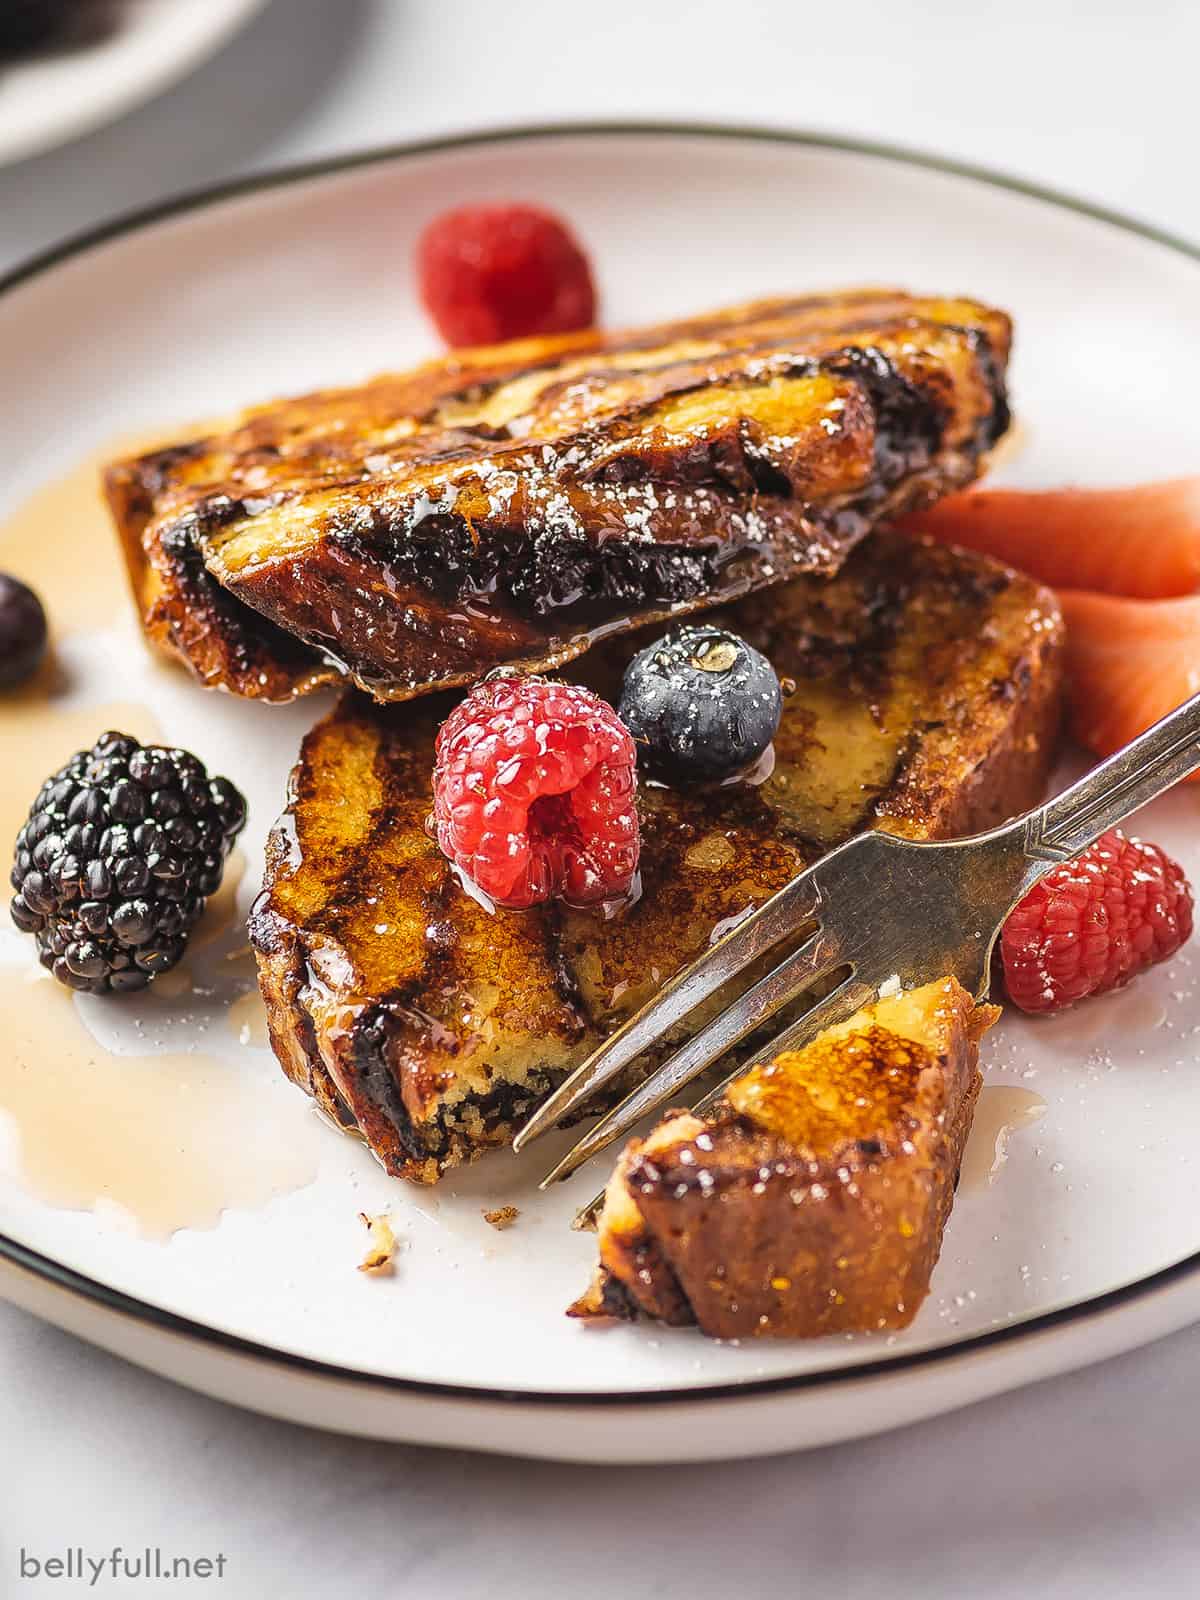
{"x": 550, "y": 505}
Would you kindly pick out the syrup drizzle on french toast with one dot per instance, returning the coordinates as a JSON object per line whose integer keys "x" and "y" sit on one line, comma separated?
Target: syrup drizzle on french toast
{"x": 515, "y": 503}
{"x": 926, "y": 700}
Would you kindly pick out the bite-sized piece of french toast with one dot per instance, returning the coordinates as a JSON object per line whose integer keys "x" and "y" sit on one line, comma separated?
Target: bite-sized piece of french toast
{"x": 923, "y": 697}
{"x": 811, "y": 1200}
{"x": 508, "y": 504}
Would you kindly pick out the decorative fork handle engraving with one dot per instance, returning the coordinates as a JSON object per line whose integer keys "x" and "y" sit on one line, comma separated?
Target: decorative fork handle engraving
{"x": 1039, "y": 848}
{"x": 1109, "y": 793}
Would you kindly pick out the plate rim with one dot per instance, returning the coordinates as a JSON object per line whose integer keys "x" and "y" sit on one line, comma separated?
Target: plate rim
{"x": 164, "y": 1321}
{"x": 196, "y": 199}
{"x": 79, "y": 1284}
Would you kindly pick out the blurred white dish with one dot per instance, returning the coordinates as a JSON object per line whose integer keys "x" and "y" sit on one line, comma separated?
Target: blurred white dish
{"x": 50, "y": 97}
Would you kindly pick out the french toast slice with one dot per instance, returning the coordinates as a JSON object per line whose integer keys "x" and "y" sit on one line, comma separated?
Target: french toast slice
{"x": 923, "y": 696}
{"x": 812, "y": 1199}
{"x": 512, "y": 503}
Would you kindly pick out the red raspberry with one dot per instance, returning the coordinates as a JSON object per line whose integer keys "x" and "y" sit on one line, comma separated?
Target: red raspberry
{"x": 489, "y": 273}
{"x": 1093, "y": 924}
{"x": 533, "y": 793}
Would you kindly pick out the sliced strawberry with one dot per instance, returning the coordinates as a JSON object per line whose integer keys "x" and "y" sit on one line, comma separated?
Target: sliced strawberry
{"x": 1129, "y": 662}
{"x": 1143, "y": 541}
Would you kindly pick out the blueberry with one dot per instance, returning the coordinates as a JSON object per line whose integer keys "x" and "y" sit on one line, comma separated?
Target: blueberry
{"x": 700, "y": 703}
{"x": 22, "y": 632}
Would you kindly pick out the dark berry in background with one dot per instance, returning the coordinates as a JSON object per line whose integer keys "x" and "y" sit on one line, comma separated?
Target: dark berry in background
{"x": 22, "y": 632}
{"x": 27, "y": 24}
{"x": 121, "y": 849}
{"x": 700, "y": 703}
{"x": 31, "y": 26}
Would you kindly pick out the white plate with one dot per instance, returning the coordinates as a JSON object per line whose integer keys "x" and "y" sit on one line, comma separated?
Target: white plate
{"x": 54, "y": 96}
{"x": 1088, "y": 1240}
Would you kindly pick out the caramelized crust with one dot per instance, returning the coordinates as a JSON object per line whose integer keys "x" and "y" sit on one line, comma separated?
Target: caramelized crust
{"x": 813, "y": 1200}
{"x": 512, "y": 503}
{"x": 926, "y": 700}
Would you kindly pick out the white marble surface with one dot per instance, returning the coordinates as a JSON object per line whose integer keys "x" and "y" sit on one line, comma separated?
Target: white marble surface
{"x": 1085, "y": 1486}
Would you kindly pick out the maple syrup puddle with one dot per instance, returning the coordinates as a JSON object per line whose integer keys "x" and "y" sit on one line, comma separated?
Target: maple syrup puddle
{"x": 155, "y": 1142}
{"x": 150, "y": 1139}
{"x": 247, "y": 1017}
{"x": 62, "y": 542}
{"x": 1002, "y": 1111}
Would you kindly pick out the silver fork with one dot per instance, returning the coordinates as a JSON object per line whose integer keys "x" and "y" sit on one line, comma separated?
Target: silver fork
{"x": 893, "y": 911}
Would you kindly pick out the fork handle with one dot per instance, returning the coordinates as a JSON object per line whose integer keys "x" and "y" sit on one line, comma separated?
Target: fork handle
{"x": 1109, "y": 793}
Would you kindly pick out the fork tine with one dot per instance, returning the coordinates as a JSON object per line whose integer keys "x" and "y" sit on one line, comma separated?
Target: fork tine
{"x": 837, "y": 1006}
{"x": 777, "y": 917}
{"x": 815, "y": 958}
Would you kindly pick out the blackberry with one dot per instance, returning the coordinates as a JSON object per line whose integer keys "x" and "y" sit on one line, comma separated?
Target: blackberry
{"x": 700, "y": 703}
{"x": 22, "y": 632}
{"x": 120, "y": 850}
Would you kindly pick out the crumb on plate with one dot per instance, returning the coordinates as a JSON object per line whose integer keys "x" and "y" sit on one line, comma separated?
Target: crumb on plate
{"x": 502, "y": 1217}
{"x": 381, "y": 1252}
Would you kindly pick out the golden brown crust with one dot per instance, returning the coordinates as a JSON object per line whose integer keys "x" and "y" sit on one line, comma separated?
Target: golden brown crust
{"x": 190, "y": 618}
{"x": 438, "y": 1026}
{"x": 505, "y": 504}
{"x": 813, "y": 1200}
